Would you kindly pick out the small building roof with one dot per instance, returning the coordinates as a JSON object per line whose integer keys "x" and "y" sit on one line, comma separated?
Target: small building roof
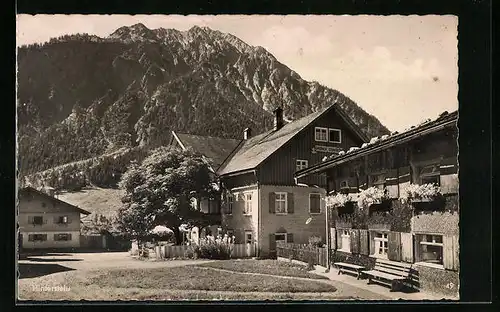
{"x": 29, "y": 189}
{"x": 215, "y": 149}
{"x": 255, "y": 150}
{"x": 445, "y": 119}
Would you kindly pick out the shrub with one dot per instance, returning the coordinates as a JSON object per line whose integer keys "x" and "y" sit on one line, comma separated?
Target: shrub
{"x": 315, "y": 241}
{"x": 219, "y": 248}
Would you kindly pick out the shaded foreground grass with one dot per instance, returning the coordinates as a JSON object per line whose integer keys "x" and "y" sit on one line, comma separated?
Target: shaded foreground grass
{"x": 272, "y": 267}
{"x": 196, "y": 278}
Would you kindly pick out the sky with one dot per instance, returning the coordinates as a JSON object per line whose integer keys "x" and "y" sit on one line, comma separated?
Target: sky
{"x": 401, "y": 69}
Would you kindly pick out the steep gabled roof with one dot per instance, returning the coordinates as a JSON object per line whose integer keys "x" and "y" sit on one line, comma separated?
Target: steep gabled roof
{"x": 376, "y": 144}
{"x": 256, "y": 149}
{"x": 215, "y": 149}
{"x": 27, "y": 190}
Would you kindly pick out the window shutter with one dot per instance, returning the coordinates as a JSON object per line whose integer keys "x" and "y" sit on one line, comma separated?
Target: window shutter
{"x": 30, "y": 219}
{"x": 290, "y": 200}
{"x": 364, "y": 248}
{"x": 450, "y": 252}
{"x": 69, "y": 219}
{"x": 449, "y": 176}
{"x": 289, "y": 237}
{"x": 56, "y": 219}
{"x": 407, "y": 247}
{"x": 394, "y": 242}
{"x": 404, "y": 174}
{"x": 272, "y": 243}
{"x": 333, "y": 238}
{"x": 371, "y": 235}
{"x": 272, "y": 202}
{"x": 339, "y": 240}
{"x": 391, "y": 182}
{"x": 69, "y": 236}
{"x": 354, "y": 241}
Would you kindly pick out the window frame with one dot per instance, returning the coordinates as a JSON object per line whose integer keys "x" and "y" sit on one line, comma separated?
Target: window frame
{"x": 299, "y": 164}
{"x": 340, "y": 135}
{"x": 279, "y": 234}
{"x": 318, "y": 130}
{"x": 39, "y": 218}
{"x": 63, "y": 218}
{"x": 343, "y": 237}
{"x": 247, "y": 203}
{"x": 67, "y": 235}
{"x": 379, "y": 243}
{"x": 310, "y": 196}
{"x": 435, "y": 174}
{"x": 230, "y": 204}
{"x": 277, "y": 199}
{"x": 421, "y": 242}
{"x": 246, "y": 237}
{"x": 31, "y": 237}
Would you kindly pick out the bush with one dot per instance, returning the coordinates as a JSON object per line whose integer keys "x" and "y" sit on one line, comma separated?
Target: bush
{"x": 212, "y": 248}
{"x": 315, "y": 241}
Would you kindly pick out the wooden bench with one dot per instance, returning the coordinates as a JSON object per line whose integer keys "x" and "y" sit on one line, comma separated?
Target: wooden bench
{"x": 390, "y": 273}
{"x": 348, "y": 267}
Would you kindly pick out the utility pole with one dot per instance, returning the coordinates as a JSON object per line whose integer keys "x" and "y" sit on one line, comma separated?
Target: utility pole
{"x": 328, "y": 240}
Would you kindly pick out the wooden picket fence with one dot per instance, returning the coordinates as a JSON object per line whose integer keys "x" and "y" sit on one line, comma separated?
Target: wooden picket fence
{"x": 239, "y": 251}
{"x": 302, "y": 252}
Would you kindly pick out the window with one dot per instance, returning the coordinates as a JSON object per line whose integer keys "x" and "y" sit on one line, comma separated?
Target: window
{"x": 345, "y": 236}
{"x": 344, "y": 184}
{"x": 430, "y": 174}
{"x": 380, "y": 242}
{"x": 62, "y": 237}
{"x": 37, "y": 220}
{"x": 62, "y": 220}
{"x": 321, "y": 134}
{"x": 314, "y": 203}
{"x": 281, "y": 207}
{"x": 248, "y": 204}
{"x": 248, "y": 237}
{"x": 280, "y": 237}
{"x": 37, "y": 237}
{"x": 430, "y": 249}
{"x": 334, "y": 136}
{"x": 301, "y": 164}
{"x": 230, "y": 203}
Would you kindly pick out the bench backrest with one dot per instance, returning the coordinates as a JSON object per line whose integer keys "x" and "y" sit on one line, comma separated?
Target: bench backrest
{"x": 392, "y": 267}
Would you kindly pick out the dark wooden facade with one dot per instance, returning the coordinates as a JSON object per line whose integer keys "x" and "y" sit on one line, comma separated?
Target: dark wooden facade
{"x": 398, "y": 164}
{"x": 280, "y": 167}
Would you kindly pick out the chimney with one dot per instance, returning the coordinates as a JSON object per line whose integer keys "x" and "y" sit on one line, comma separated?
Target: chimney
{"x": 278, "y": 118}
{"x": 247, "y": 133}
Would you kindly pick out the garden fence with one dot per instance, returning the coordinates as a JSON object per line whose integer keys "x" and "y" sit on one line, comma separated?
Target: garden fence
{"x": 302, "y": 252}
{"x": 172, "y": 251}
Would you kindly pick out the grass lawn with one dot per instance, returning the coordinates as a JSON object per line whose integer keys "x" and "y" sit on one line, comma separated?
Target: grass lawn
{"x": 196, "y": 278}
{"x": 273, "y": 267}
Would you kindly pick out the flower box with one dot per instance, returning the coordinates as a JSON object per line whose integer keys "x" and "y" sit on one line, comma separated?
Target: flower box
{"x": 414, "y": 193}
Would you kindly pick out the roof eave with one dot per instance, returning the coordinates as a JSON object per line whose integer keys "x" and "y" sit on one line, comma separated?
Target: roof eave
{"x": 400, "y": 139}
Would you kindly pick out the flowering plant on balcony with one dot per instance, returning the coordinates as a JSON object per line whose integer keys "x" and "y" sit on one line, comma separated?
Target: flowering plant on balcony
{"x": 337, "y": 200}
{"x": 370, "y": 196}
{"x": 415, "y": 192}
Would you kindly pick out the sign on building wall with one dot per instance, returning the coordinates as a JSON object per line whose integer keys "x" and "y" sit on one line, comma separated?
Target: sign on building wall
{"x": 326, "y": 149}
